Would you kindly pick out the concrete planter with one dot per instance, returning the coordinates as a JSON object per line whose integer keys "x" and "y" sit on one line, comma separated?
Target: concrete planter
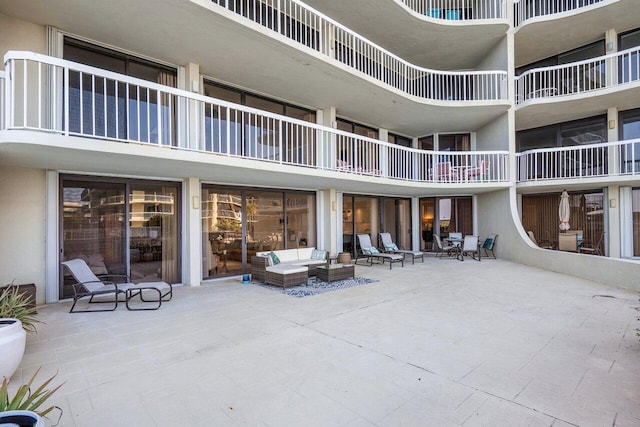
{"x": 12, "y": 342}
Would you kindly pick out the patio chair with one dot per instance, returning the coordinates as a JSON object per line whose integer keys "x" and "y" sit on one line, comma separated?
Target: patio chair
{"x": 488, "y": 245}
{"x": 587, "y": 248}
{"x": 442, "y": 249}
{"x": 371, "y": 253}
{"x": 470, "y": 247}
{"x": 442, "y": 172}
{"x": 391, "y": 247}
{"x": 478, "y": 172}
{"x": 543, "y": 245}
{"x": 89, "y": 285}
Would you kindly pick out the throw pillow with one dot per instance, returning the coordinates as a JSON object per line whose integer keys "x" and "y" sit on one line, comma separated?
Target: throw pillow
{"x": 391, "y": 247}
{"x": 370, "y": 251}
{"x": 274, "y": 258}
{"x": 318, "y": 254}
{"x": 487, "y": 244}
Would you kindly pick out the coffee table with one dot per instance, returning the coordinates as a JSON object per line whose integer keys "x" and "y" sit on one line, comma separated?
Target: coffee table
{"x": 333, "y": 272}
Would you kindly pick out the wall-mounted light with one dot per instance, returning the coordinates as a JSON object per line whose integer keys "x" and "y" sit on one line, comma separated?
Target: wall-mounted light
{"x": 612, "y": 124}
{"x": 609, "y": 46}
{"x": 195, "y": 202}
{"x": 334, "y": 206}
{"x": 612, "y": 203}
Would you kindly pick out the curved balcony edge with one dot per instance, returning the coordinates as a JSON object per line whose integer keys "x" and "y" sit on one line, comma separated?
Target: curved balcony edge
{"x": 310, "y": 29}
{"x": 528, "y": 11}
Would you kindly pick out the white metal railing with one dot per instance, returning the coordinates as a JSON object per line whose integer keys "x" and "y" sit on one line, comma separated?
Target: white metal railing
{"x": 2, "y": 99}
{"x": 54, "y": 95}
{"x": 579, "y": 77}
{"x": 527, "y": 9}
{"x": 304, "y": 25}
{"x": 576, "y": 162}
{"x": 464, "y": 10}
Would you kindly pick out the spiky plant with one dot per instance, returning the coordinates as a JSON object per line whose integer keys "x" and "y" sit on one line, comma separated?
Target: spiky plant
{"x": 15, "y": 304}
{"x": 25, "y": 399}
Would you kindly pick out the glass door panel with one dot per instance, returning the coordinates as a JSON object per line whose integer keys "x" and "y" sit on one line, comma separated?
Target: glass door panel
{"x": 427, "y": 221}
{"x": 221, "y": 228}
{"x": 347, "y": 225}
{"x": 93, "y": 228}
{"x": 153, "y": 222}
{"x": 301, "y": 224}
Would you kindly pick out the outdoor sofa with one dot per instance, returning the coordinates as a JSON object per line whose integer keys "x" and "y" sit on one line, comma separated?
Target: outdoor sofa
{"x": 289, "y": 262}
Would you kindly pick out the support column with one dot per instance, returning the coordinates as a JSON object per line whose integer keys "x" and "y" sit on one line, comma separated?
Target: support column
{"x": 415, "y": 223}
{"x": 192, "y": 122}
{"x": 326, "y": 147}
{"x": 613, "y": 220}
{"x": 383, "y": 154}
{"x": 611, "y": 46}
{"x": 331, "y": 217}
{"x": 192, "y": 244}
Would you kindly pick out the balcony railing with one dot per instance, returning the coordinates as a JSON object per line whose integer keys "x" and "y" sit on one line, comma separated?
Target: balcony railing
{"x": 308, "y": 27}
{"x": 58, "y": 96}
{"x": 579, "y": 77}
{"x": 578, "y": 162}
{"x": 527, "y": 9}
{"x": 465, "y": 10}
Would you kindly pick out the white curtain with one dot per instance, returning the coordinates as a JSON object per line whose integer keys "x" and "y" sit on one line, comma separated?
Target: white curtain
{"x": 626, "y": 222}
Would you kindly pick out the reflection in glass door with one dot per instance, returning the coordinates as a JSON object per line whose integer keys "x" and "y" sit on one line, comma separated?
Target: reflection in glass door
{"x": 153, "y": 228}
{"x": 396, "y": 220}
{"x": 221, "y": 228}
{"x": 93, "y": 227}
{"x": 237, "y": 223}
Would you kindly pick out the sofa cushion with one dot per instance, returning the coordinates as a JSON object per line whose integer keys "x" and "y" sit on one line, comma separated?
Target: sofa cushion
{"x": 305, "y": 253}
{"x": 287, "y": 268}
{"x": 287, "y": 255}
{"x": 318, "y": 254}
{"x": 310, "y": 262}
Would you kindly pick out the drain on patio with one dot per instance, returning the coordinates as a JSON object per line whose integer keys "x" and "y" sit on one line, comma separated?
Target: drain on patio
{"x": 316, "y": 287}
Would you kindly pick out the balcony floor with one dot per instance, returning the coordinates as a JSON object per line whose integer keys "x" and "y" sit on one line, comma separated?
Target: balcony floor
{"x": 478, "y": 343}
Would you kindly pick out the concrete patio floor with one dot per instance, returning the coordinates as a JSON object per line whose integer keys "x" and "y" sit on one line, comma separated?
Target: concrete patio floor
{"x": 444, "y": 343}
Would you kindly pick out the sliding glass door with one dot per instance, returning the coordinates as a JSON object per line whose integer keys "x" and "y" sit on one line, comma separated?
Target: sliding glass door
{"x": 120, "y": 226}
{"x": 238, "y": 223}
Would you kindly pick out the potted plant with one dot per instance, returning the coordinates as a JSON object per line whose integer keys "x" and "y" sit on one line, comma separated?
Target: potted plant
{"x": 24, "y": 407}
{"x": 17, "y": 316}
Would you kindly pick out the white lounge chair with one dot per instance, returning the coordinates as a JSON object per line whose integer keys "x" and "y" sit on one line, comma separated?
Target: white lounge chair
{"x": 391, "y": 247}
{"x": 89, "y": 285}
{"x": 370, "y": 252}
{"x": 470, "y": 247}
{"x": 441, "y": 248}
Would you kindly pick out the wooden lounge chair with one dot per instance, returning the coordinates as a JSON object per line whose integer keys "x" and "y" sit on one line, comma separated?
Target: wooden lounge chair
{"x": 371, "y": 253}
{"x": 105, "y": 285}
{"x": 390, "y": 247}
